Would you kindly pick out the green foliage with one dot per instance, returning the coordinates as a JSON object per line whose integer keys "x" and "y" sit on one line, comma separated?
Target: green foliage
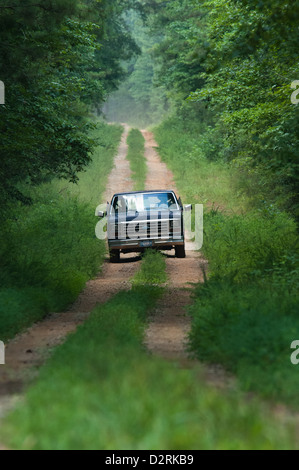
{"x": 250, "y": 65}
{"x": 50, "y": 247}
{"x": 245, "y": 247}
{"x": 137, "y": 159}
{"x": 198, "y": 179}
{"x": 245, "y": 316}
{"x": 249, "y": 329}
{"x": 92, "y": 181}
{"x": 236, "y": 62}
{"x": 139, "y": 101}
{"x": 181, "y": 51}
{"x": 49, "y": 250}
{"x": 103, "y": 391}
{"x": 58, "y": 61}
{"x": 152, "y": 271}
{"x": 20, "y": 307}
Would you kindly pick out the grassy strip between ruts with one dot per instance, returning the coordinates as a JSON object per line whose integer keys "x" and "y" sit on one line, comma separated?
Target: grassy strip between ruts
{"x": 152, "y": 271}
{"x": 101, "y": 390}
{"x": 49, "y": 250}
{"x": 246, "y": 315}
{"x": 137, "y": 159}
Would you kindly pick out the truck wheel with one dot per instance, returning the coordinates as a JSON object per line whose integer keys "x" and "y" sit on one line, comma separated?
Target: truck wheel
{"x": 180, "y": 251}
{"x": 114, "y": 256}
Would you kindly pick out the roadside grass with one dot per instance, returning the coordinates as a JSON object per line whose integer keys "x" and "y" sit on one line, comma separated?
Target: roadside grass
{"x": 252, "y": 246}
{"x": 249, "y": 329}
{"x": 245, "y": 315}
{"x": 48, "y": 250}
{"x": 137, "y": 159}
{"x": 199, "y": 180}
{"x": 101, "y": 390}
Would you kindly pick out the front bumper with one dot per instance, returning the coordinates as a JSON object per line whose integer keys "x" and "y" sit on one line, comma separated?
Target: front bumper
{"x": 139, "y": 245}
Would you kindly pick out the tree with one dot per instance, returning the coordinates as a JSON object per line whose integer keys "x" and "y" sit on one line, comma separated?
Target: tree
{"x": 57, "y": 59}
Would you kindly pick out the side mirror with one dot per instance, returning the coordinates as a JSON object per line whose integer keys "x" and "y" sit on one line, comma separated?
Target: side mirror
{"x": 188, "y": 208}
{"x": 102, "y": 214}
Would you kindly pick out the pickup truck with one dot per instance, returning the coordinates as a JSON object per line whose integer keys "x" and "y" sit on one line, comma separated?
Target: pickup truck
{"x": 145, "y": 219}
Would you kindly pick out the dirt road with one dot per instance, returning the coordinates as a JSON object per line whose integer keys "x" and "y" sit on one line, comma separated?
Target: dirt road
{"x": 169, "y": 326}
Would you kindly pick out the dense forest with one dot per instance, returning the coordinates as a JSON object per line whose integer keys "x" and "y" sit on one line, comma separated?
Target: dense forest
{"x": 220, "y": 63}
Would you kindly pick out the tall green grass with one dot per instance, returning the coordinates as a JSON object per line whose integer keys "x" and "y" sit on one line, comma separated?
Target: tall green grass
{"x": 251, "y": 246}
{"x": 101, "y": 390}
{"x": 137, "y": 159}
{"x": 200, "y": 181}
{"x": 49, "y": 250}
{"x": 249, "y": 329}
{"x": 246, "y": 314}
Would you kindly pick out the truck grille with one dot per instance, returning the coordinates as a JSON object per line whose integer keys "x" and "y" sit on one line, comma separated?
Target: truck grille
{"x": 154, "y": 229}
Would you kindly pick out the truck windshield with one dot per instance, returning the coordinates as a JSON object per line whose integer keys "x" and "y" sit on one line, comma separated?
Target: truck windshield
{"x": 144, "y": 202}
{"x": 158, "y": 201}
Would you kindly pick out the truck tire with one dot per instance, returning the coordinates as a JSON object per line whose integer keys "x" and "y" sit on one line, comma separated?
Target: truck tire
{"x": 114, "y": 256}
{"x": 180, "y": 251}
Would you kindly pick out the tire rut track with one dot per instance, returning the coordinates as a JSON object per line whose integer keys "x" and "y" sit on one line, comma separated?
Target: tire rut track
{"x": 170, "y": 324}
{"x": 167, "y": 333}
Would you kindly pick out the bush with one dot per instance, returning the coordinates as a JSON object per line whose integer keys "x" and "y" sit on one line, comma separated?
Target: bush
{"x": 248, "y": 246}
{"x": 191, "y": 152}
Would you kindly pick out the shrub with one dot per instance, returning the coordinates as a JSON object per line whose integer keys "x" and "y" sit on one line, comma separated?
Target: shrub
{"x": 249, "y": 329}
{"x": 248, "y": 246}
